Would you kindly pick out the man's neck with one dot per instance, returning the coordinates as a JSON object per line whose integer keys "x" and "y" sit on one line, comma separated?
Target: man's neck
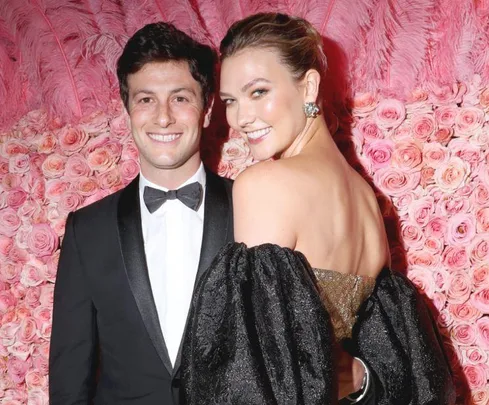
{"x": 171, "y": 178}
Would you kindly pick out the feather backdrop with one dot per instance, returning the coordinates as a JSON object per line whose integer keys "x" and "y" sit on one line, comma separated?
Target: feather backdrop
{"x": 65, "y": 51}
{"x": 407, "y": 80}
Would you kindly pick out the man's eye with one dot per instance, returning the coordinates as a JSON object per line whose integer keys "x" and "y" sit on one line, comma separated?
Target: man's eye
{"x": 180, "y": 99}
{"x": 145, "y": 100}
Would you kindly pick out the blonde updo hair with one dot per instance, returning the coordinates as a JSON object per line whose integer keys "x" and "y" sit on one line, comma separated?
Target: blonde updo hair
{"x": 297, "y": 42}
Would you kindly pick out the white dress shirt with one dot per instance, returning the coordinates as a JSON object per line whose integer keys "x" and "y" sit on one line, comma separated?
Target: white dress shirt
{"x": 172, "y": 243}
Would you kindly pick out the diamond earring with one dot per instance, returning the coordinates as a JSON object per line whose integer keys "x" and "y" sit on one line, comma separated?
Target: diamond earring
{"x": 311, "y": 110}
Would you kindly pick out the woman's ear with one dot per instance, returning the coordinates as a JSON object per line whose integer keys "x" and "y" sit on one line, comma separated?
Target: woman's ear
{"x": 311, "y": 82}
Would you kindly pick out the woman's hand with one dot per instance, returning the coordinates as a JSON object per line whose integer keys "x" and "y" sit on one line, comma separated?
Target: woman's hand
{"x": 350, "y": 374}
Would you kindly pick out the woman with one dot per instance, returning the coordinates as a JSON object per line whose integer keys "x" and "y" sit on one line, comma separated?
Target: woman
{"x": 302, "y": 214}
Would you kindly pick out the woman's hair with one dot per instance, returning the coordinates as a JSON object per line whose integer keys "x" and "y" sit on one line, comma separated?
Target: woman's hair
{"x": 296, "y": 40}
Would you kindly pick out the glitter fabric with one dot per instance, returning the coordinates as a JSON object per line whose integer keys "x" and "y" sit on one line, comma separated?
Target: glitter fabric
{"x": 342, "y": 294}
{"x": 259, "y": 334}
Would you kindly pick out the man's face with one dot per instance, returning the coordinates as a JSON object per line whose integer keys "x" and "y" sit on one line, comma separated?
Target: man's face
{"x": 166, "y": 111}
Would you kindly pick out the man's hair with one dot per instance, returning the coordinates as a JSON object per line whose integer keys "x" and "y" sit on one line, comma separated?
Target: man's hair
{"x": 162, "y": 42}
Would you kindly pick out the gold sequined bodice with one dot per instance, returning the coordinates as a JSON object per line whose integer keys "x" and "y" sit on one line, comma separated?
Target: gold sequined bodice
{"x": 342, "y": 295}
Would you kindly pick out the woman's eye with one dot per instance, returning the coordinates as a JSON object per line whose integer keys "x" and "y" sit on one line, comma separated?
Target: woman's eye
{"x": 259, "y": 92}
{"x": 227, "y": 101}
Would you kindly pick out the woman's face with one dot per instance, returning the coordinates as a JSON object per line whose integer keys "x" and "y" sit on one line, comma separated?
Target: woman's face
{"x": 264, "y": 102}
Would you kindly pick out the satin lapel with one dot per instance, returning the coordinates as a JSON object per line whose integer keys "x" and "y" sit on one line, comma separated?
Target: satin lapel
{"x": 132, "y": 249}
{"x": 218, "y": 229}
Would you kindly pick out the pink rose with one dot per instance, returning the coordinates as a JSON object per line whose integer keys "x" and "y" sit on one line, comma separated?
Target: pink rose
{"x": 10, "y": 272}
{"x": 46, "y": 298}
{"x": 403, "y": 202}
{"x": 115, "y": 148}
{"x": 86, "y": 186}
{"x": 10, "y": 181}
{"x": 77, "y": 166}
{"x": 130, "y": 151}
{"x": 464, "y": 334}
{"x": 110, "y": 179}
{"x": 8, "y": 331}
{"x": 369, "y": 130}
{"x": 6, "y": 245}
{"x": 52, "y": 267}
{"x": 434, "y": 245}
{"x": 55, "y": 188}
{"x": 435, "y": 154}
{"x": 32, "y": 297}
{"x": 17, "y": 254}
{"x": 461, "y": 229}
{"x": 379, "y": 153}
{"x": 17, "y": 369}
{"x": 129, "y": 170}
{"x": 422, "y": 279}
{"x": 446, "y": 94}
{"x": 412, "y": 235}
{"x": 418, "y": 95}
{"x": 459, "y": 288}
{"x": 118, "y": 127}
{"x": 70, "y": 201}
{"x": 43, "y": 241}
{"x": 95, "y": 124}
{"x": 451, "y": 205}
{"x": 482, "y": 217}
{"x": 466, "y": 190}
{"x": 7, "y": 301}
{"x": 451, "y": 175}
{"x": 439, "y": 301}
{"x": 19, "y": 164}
{"x": 236, "y": 151}
{"x": 468, "y": 121}
{"x": 456, "y": 258}
{"x": 465, "y": 151}
{"x": 363, "y": 104}
{"x": 4, "y": 166}
{"x": 427, "y": 176}
{"x": 464, "y": 312}
{"x": 476, "y": 375}
{"x": 480, "y": 138}
{"x": 31, "y": 276}
{"x": 423, "y": 126}
{"x": 389, "y": 114}
{"x": 480, "y": 276}
{"x": 9, "y": 222}
{"x": 101, "y": 159}
{"x": 480, "y": 396}
{"x": 54, "y": 166}
{"x": 396, "y": 182}
{"x": 37, "y": 397}
{"x": 71, "y": 140}
{"x": 35, "y": 380}
{"x": 480, "y": 195}
{"x": 442, "y": 135}
{"x": 445, "y": 115}
{"x": 422, "y": 259}
{"x": 474, "y": 355}
{"x": 402, "y": 133}
{"x": 480, "y": 299}
{"x": 27, "y": 332}
{"x": 41, "y": 364}
{"x": 20, "y": 350}
{"x": 47, "y": 143}
{"x": 420, "y": 210}
{"x": 227, "y": 169}
{"x": 483, "y": 335}
{"x": 407, "y": 155}
{"x": 479, "y": 249}
{"x": 42, "y": 315}
{"x": 16, "y": 197}
{"x": 14, "y": 147}
{"x": 38, "y": 190}
{"x": 484, "y": 98}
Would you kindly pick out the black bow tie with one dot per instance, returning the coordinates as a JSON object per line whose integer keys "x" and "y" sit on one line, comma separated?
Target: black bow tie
{"x": 190, "y": 195}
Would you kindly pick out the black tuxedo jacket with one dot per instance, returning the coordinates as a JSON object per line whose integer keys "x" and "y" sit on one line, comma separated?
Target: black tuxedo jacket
{"x": 106, "y": 345}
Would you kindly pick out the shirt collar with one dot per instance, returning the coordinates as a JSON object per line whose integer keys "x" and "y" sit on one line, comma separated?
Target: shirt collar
{"x": 198, "y": 176}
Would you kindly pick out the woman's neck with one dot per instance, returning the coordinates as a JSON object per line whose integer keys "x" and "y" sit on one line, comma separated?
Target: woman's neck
{"x": 315, "y": 129}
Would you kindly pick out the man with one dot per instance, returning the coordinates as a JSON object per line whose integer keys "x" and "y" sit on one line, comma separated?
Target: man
{"x": 129, "y": 262}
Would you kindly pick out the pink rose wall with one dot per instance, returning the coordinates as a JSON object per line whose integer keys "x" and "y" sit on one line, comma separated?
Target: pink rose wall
{"x": 407, "y": 97}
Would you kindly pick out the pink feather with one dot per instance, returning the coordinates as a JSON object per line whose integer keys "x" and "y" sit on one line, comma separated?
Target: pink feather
{"x": 13, "y": 100}
{"x": 51, "y": 37}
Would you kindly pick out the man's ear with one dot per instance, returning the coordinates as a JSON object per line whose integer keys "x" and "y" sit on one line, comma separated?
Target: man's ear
{"x": 311, "y": 82}
{"x": 208, "y": 113}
